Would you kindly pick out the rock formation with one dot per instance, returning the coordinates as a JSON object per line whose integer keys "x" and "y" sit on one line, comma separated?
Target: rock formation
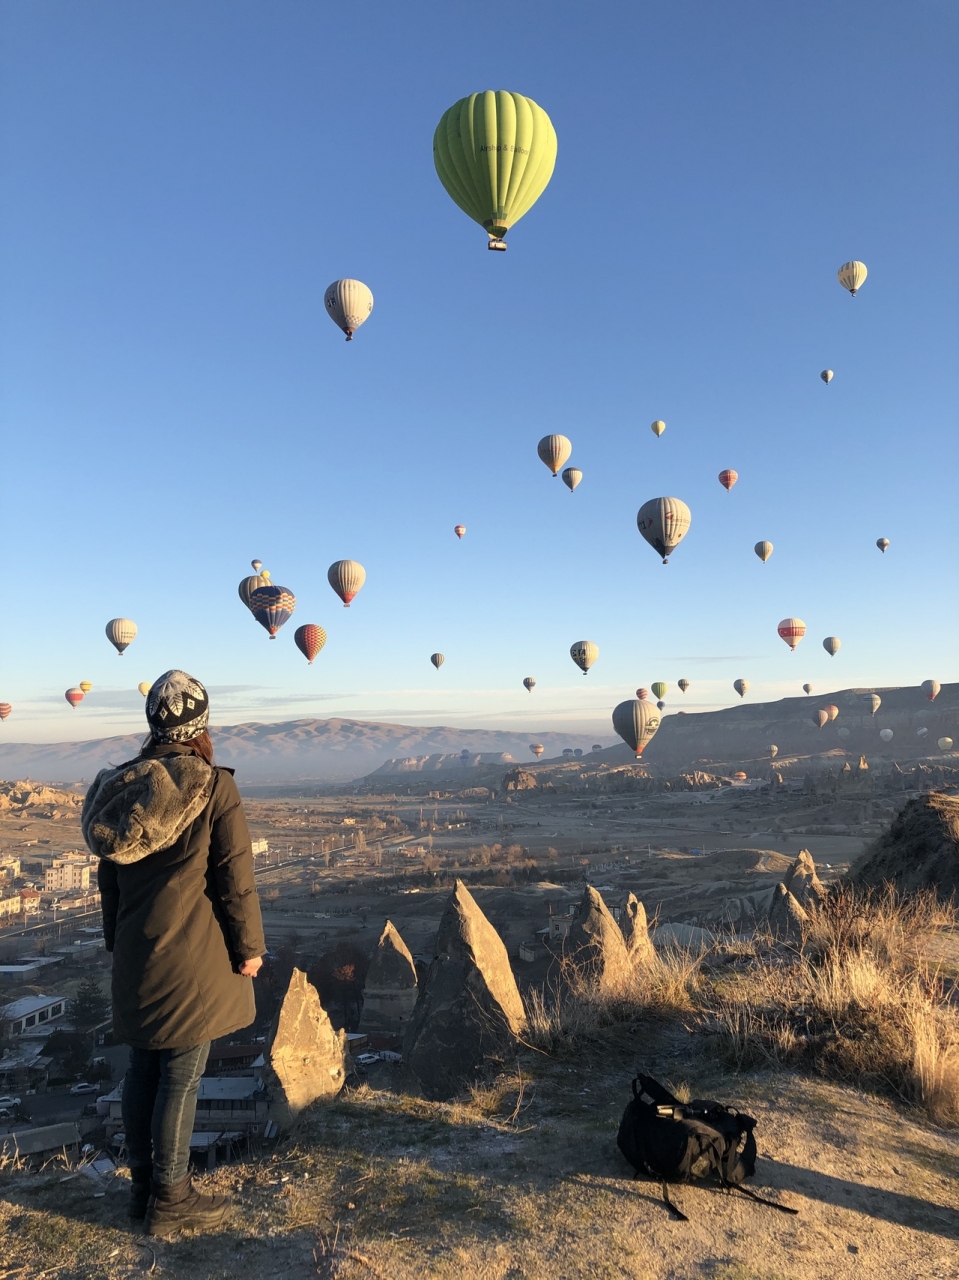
{"x": 636, "y": 931}
{"x": 390, "y": 992}
{"x": 786, "y": 917}
{"x": 307, "y": 1058}
{"x": 519, "y": 780}
{"x": 595, "y": 941}
{"x": 802, "y": 881}
{"x": 469, "y": 1014}
{"x": 920, "y": 850}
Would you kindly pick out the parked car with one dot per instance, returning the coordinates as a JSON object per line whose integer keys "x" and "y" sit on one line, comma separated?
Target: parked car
{"x": 6, "y": 1113}
{"x": 389, "y": 1055}
{"x": 83, "y": 1087}
{"x": 7, "y": 1102}
{"x": 367, "y": 1059}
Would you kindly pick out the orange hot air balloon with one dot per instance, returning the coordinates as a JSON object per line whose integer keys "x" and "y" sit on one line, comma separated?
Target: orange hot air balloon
{"x": 74, "y": 697}
{"x": 309, "y": 639}
{"x": 740, "y": 776}
{"x": 831, "y": 710}
{"x": 792, "y": 631}
{"x": 642, "y": 694}
{"x": 459, "y": 530}
{"x": 728, "y": 478}
{"x": 5, "y": 709}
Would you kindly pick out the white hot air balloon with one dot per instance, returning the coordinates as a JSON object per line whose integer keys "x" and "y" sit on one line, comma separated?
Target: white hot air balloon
{"x": 873, "y": 702}
{"x": 657, "y": 427}
{"x": 636, "y": 723}
{"x": 944, "y": 744}
{"x": 931, "y": 688}
{"x": 886, "y": 735}
{"x": 852, "y": 276}
{"x": 256, "y": 565}
{"x": 555, "y": 451}
{"x": 791, "y": 631}
{"x": 348, "y": 303}
{"x": 922, "y": 733}
{"x": 664, "y": 522}
{"x": 882, "y": 544}
{"x": 827, "y": 375}
{"x": 346, "y": 577}
{"x": 571, "y": 478}
{"x": 764, "y": 550}
{"x": 584, "y": 653}
{"x": 832, "y": 645}
{"x": 121, "y": 632}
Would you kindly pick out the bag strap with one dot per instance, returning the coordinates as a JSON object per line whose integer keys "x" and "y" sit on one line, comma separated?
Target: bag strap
{"x": 783, "y": 1208}
{"x": 653, "y": 1089}
{"x": 680, "y": 1216}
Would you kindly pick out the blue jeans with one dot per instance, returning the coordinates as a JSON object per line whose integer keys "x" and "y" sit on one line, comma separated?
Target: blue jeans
{"x": 159, "y": 1107}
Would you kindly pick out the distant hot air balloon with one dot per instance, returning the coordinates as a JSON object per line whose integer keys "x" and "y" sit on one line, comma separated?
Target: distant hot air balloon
{"x": 832, "y": 645}
{"x": 272, "y": 606}
{"x": 852, "y": 275}
{"x": 873, "y": 702}
{"x": 945, "y": 744}
{"x": 577, "y": 752}
{"x": 86, "y": 686}
{"x": 584, "y": 653}
{"x": 309, "y": 639}
{"x": 843, "y": 732}
{"x": 555, "y": 452}
{"x": 821, "y": 718}
{"x": 741, "y": 687}
{"x": 921, "y": 733}
{"x": 348, "y": 303}
{"x": 459, "y": 530}
{"x": 764, "y": 550}
{"x": 464, "y": 754}
{"x": 571, "y": 478}
{"x": 537, "y": 749}
{"x": 529, "y": 684}
{"x": 597, "y": 746}
{"x": 636, "y": 723}
{"x": 831, "y": 710}
{"x": 664, "y": 522}
{"x": 792, "y": 631}
{"x": 494, "y": 153}
{"x": 683, "y": 685}
{"x": 121, "y": 632}
{"x": 144, "y": 687}
{"x": 657, "y": 427}
{"x": 827, "y": 375}
{"x": 74, "y": 697}
{"x": 740, "y": 776}
{"x": 661, "y": 705}
{"x": 346, "y": 577}
{"x": 437, "y": 660}
{"x": 773, "y": 751}
{"x": 567, "y": 751}
{"x": 256, "y": 565}
{"x": 807, "y": 688}
{"x": 931, "y": 689}
{"x": 250, "y": 584}
{"x": 5, "y": 709}
{"x": 882, "y": 544}
{"x": 659, "y": 688}
{"x": 642, "y": 694}
{"x": 728, "y": 478}
{"x": 886, "y": 735}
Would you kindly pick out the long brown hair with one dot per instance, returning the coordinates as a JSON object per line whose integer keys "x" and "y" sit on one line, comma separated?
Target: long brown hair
{"x": 201, "y": 745}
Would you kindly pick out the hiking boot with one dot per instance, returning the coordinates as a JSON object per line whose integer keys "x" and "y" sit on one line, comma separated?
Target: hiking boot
{"x": 141, "y": 1179}
{"x": 181, "y": 1207}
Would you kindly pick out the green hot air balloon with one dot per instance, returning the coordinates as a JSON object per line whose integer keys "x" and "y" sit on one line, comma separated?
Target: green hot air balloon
{"x": 494, "y": 153}
{"x": 659, "y": 688}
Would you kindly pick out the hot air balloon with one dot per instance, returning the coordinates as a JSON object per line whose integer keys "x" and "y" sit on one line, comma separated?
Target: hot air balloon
{"x": 921, "y": 733}
{"x": 873, "y": 702}
{"x": 728, "y": 478}
{"x": 349, "y": 303}
{"x": 886, "y": 735}
{"x": 121, "y": 632}
{"x": 597, "y": 746}
{"x": 571, "y": 478}
{"x": 832, "y": 645}
{"x": 494, "y": 153}
{"x": 773, "y": 751}
{"x": 272, "y": 606}
{"x": 661, "y": 705}
{"x": 821, "y": 718}
{"x": 464, "y": 754}
{"x": 657, "y": 427}
{"x": 577, "y": 752}
{"x": 741, "y": 687}
{"x": 250, "y": 584}
{"x": 852, "y": 275}
{"x": 664, "y": 522}
{"x": 309, "y": 639}
{"x": 945, "y": 744}
{"x": 346, "y": 577}
{"x": 636, "y": 723}
{"x": 584, "y": 653}
{"x": 931, "y": 689}
{"x": 683, "y": 685}
{"x": 459, "y": 530}
{"x": 642, "y": 694}
{"x": 882, "y": 544}
{"x": 437, "y": 660}
{"x": 764, "y": 550}
{"x": 831, "y": 710}
{"x": 529, "y": 684}
{"x": 567, "y": 751}
{"x": 5, "y": 709}
{"x": 827, "y": 376}
{"x": 256, "y": 565}
{"x": 792, "y": 631}
{"x": 659, "y": 688}
{"x": 74, "y": 697}
{"x": 740, "y": 776}
{"x": 537, "y": 749}
{"x": 807, "y": 688}
{"x": 86, "y": 686}
{"x": 554, "y": 451}
{"x": 144, "y": 687}
{"x": 843, "y": 732}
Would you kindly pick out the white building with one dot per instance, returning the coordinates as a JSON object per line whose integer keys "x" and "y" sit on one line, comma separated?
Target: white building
{"x": 65, "y": 875}
{"x": 10, "y": 866}
{"x": 23, "y": 1015}
{"x": 260, "y": 846}
{"x": 10, "y": 906}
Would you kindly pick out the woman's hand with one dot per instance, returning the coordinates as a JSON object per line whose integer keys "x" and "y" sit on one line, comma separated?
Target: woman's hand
{"x": 250, "y": 968}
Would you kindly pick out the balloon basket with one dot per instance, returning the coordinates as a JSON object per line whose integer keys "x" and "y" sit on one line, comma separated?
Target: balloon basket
{"x": 498, "y": 245}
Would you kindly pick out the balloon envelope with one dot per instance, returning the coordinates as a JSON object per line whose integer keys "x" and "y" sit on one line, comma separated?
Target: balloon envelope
{"x": 459, "y": 530}
{"x": 921, "y": 733}
{"x": 832, "y": 645}
{"x": 886, "y": 735}
{"x": 537, "y": 749}
{"x": 346, "y": 577}
{"x": 852, "y": 275}
{"x": 882, "y": 544}
{"x": 529, "y": 684}
{"x": 931, "y": 689}
{"x": 5, "y": 709}
{"x": 571, "y": 478}
{"x": 661, "y": 705}
{"x": 121, "y": 632}
{"x": 309, "y": 639}
{"x": 741, "y": 687}
{"x": 348, "y": 303}
{"x": 657, "y": 427}
{"x": 256, "y": 565}
{"x": 249, "y": 585}
{"x": 659, "y": 688}
{"x": 826, "y": 375}
{"x": 873, "y": 702}
{"x": 74, "y": 697}
{"x": 821, "y": 718}
{"x": 144, "y": 687}
{"x": 437, "y": 660}
{"x": 683, "y": 685}
{"x": 764, "y": 550}
{"x": 792, "y": 631}
{"x": 642, "y": 694}
{"x": 831, "y": 710}
{"x": 554, "y": 451}
{"x": 807, "y": 688}
{"x": 494, "y": 153}
{"x": 773, "y": 751}
{"x": 636, "y": 723}
{"x": 86, "y": 686}
{"x": 584, "y": 653}
{"x": 664, "y": 522}
{"x": 945, "y": 744}
{"x": 272, "y": 606}
{"x": 728, "y": 478}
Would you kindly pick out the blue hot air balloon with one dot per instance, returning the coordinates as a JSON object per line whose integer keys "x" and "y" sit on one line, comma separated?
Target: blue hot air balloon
{"x": 272, "y": 606}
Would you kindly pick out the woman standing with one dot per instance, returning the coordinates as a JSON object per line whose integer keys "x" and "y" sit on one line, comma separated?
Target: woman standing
{"x": 182, "y": 919}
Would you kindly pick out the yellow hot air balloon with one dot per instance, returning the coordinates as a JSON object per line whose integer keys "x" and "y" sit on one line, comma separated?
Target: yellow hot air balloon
{"x": 773, "y": 751}
{"x": 764, "y": 550}
{"x": 494, "y": 153}
{"x": 657, "y": 427}
{"x": 584, "y": 653}
{"x": 144, "y": 687}
{"x": 852, "y": 276}
{"x": 554, "y": 451}
{"x": 86, "y": 686}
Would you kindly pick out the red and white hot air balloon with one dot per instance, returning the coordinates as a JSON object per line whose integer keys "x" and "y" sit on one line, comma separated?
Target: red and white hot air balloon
{"x": 642, "y": 694}
{"x": 831, "y": 710}
{"x": 728, "y": 478}
{"x": 346, "y": 577}
{"x": 5, "y": 709}
{"x": 931, "y": 689}
{"x": 74, "y": 697}
{"x": 792, "y": 631}
{"x": 459, "y": 530}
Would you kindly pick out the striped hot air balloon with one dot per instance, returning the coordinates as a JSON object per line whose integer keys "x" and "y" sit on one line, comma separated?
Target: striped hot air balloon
{"x": 642, "y": 694}
{"x": 728, "y": 478}
{"x": 437, "y": 660}
{"x": 121, "y": 632}
{"x": 831, "y": 710}
{"x": 309, "y": 639}
{"x": 348, "y": 304}
{"x": 529, "y": 684}
{"x": 554, "y": 451}
{"x": 852, "y": 276}
{"x": 572, "y": 477}
{"x": 85, "y": 686}
{"x": 659, "y": 688}
{"x": 250, "y": 584}
{"x": 459, "y": 530}
{"x": 832, "y": 645}
{"x": 5, "y": 709}
{"x": 664, "y": 522}
{"x": 272, "y": 606}
{"x": 74, "y": 697}
{"x": 683, "y": 685}
{"x": 636, "y": 723}
{"x": 764, "y": 550}
{"x": 791, "y": 630}
{"x": 537, "y": 749}
{"x": 657, "y": 427}
{"x": 346, "y": 577}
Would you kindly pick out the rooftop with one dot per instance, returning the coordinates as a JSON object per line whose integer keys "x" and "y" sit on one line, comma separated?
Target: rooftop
{"x": 29, "y": 1004}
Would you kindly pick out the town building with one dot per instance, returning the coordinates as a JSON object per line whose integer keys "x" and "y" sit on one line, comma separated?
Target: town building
{"x": 26, "y": 1014}
{"x": 260, "y": 846}
{"x": 35, "y": 1146}
{"x": 10, "y": 867}
{"x": 65, "y": 875}
{"x": 235, "y": 1105}
{"x": 30, "y": 901}
{"x": 10, "y": 905}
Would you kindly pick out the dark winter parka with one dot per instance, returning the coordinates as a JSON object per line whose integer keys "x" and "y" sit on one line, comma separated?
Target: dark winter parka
{"x": 180, "y": 911}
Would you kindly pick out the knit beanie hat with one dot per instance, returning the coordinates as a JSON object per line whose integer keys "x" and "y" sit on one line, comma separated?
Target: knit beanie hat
{"x": 178, "y": 708}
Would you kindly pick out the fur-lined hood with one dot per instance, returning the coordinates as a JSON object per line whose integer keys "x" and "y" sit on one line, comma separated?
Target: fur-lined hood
{"x": 144, "y": 806}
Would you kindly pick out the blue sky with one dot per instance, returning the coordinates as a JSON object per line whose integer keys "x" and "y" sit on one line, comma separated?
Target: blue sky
{"x": 182, "y": 180}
